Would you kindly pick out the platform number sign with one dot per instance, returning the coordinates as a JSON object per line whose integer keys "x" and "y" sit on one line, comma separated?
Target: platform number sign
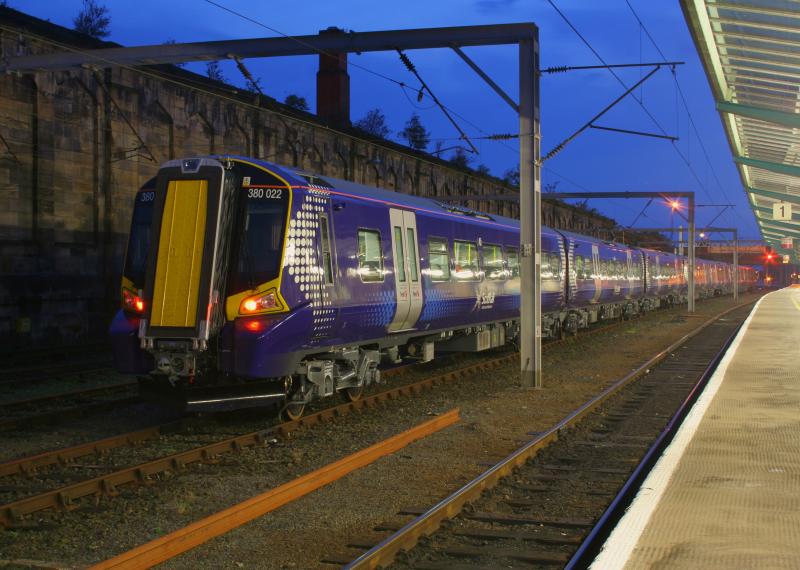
{"x": 781, "y": 211}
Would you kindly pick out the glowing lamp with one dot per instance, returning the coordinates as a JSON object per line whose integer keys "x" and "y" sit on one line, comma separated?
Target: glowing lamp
{"x": 259, "y": 303}
{"x": 675, "y": 204}
{"x": 132, "y": 302}
{"x": 253, "y": 326}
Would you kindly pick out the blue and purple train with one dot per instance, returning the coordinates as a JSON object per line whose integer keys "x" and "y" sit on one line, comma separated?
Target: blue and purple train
{"x": 247, "y": 283}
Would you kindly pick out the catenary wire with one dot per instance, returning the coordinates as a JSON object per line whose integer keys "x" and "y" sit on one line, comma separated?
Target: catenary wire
{"x": 686, "y": 106}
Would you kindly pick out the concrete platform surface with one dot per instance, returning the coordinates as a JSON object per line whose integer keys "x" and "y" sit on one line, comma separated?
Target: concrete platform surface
{"x": 726, "y": 493}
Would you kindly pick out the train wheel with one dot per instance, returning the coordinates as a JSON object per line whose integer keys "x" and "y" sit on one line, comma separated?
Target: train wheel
{"x": 293, "y": 411}
{"x": 354, "y": 394}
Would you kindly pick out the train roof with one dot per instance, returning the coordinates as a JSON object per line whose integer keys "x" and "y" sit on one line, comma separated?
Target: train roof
{"x": 303, "y": 178}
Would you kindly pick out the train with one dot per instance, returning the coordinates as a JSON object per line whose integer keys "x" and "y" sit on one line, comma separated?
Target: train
{"x": 247, "y": 283}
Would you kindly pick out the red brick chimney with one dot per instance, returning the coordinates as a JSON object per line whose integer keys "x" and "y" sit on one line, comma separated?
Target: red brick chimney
{"x": 333, "y": 86}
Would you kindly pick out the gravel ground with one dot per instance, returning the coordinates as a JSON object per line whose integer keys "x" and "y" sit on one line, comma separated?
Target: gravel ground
{"x": 496, "y": 414}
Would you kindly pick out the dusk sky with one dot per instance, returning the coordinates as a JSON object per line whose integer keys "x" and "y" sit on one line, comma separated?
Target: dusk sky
{"x": 595, "y": 161}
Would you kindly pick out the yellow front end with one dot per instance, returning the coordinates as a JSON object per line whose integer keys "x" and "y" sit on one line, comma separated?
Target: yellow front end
{"x": 180, "y": 254}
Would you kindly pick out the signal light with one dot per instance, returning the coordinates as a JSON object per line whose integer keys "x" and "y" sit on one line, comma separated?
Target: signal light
{"x": 253, "y": 326}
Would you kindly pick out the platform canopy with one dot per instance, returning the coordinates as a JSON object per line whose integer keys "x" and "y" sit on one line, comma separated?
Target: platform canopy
{"x": 751, "y": 54}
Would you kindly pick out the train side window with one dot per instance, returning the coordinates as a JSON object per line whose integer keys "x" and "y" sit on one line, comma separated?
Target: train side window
{"x": 412, "y": 254}
{"x": 438, "y": 259}
{"x": 544, "y": 269}
{"x": 370, "y": 256}
{"x": 555, "y": 265}
{"x": 327, "y": 258}
{"x": 466, "y": 261}
{"x": 399, "y": 255}
{"x": 513, "y": 262}
{"x": 578, "y": 267}
{"x": 493, "y": 262}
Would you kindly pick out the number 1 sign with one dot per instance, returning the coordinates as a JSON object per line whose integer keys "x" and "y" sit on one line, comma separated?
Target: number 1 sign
{"x": 781, "y": 211}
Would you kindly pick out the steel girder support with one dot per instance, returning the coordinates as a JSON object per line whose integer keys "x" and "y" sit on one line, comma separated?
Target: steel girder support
{"x": 774, "y": 195}
{"x": 760, "y": 113}
{"x": 778, "y": 223}
{"x": 780, "y": 168}
{"x": 765, "y": 210}
{"x": 390, "y": 40}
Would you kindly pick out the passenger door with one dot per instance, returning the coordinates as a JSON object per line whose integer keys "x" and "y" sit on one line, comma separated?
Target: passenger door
{"x": 408, "y": 286}
{"x": 598, "y": 277}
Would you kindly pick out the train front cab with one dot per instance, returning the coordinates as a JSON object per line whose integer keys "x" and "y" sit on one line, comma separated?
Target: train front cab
{"x": 203, "y": 267}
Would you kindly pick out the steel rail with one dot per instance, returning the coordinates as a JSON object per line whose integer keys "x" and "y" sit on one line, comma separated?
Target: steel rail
{"x": 197, "y": 533}
{"x": 30, "y": 464}
{"x": 407, "y": 537}
{"x": 597, "y": 536}
{"x": 67, "y": 497}
{"x": 109, "y": 388}
{"x": 63, "y": 498}
{"x": 52, "y": 416}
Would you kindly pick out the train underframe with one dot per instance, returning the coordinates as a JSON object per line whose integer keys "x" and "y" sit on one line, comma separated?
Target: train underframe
{"x": 348, "y": 370}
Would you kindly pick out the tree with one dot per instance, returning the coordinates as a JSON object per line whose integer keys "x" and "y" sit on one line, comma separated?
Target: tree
{"x": 253, "y": 85}
{"x": 373, "y": 123}
{"x": 461, "y": 158}
{"x": 214, "y": 72}
{"x": 511, "y": 177}
{"x": 93, "y": 20}
{"x": 296, "y": 102}
{"x": 483, "y": 169}
{"x": 416, "y": 134}
{"x": 550, "y": 187}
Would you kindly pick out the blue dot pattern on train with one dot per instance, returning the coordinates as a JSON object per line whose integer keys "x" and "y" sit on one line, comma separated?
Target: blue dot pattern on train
{"x": 378, "y": 310}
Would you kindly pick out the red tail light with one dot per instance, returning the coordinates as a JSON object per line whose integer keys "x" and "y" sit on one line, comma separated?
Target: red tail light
{"x": 132, "y": 302}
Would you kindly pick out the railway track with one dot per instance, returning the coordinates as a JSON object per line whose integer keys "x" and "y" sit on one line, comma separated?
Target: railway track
{"x": 106, "y": 485}
{"x": 28, "y": 367}
{"x": 183, "y": 539}
{"x": 536, "y": 506}
{"x": 66, "y": 497}
{"x": 64, "y": 405}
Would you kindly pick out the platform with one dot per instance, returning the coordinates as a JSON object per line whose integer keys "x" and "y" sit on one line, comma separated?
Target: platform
{"x": 726, "y": 492}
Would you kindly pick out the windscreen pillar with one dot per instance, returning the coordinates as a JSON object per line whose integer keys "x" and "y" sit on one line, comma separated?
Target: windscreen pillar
{"x": 530, "y": 214}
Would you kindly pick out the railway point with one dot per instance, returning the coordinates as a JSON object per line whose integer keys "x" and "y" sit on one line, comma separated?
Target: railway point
{"x": 479, "y": 284}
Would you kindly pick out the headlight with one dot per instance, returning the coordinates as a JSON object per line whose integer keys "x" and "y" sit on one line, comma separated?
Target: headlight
{"x": 258, "y": 303}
